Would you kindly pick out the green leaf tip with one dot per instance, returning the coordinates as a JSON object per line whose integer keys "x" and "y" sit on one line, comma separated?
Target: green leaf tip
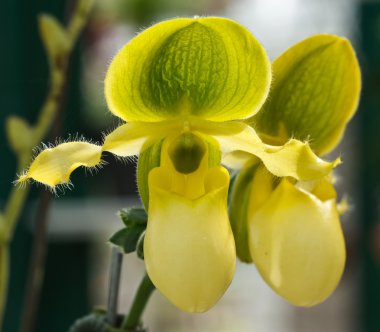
{"x": 135, "y": 220}
{"x": 127, "y": 238}
{"x": 131, "y": 216}
{"x": 91, "y": 323}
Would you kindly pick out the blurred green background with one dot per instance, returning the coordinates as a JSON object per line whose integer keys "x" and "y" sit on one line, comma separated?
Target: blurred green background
{"x": 82, "y": 220}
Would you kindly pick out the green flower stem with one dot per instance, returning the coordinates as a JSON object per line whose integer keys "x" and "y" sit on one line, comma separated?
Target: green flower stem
{"x": 133, "y": 319}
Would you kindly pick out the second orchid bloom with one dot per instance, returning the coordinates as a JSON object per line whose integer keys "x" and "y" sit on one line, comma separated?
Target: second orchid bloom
{"x": 188, "y": 91}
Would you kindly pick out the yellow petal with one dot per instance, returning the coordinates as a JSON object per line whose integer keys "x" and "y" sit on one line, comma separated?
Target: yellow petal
{"x": 294, "y": 158}
{"x": 237, "y": 159}
{"x": 315, "y": 93}
{"x": 189, "y": 247}
{"x": 53, "y": 166}
{"x": 297, "y": 245}
{"x": 130, "y": 138}
{"x": 322, "y": 188}
{"x": 208, "y": 67}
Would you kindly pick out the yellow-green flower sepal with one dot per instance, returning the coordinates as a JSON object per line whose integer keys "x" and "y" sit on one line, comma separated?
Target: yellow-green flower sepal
{"x": 238, "y": 205}
{"x": 297, "y": 245}
{"x": 314, "y": 94}
{"x": 252, "y": 187}
{"x": 210, "y": 67}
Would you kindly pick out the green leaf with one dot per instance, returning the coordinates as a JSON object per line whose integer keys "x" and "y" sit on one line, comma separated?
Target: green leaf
{"x": 90, "y": 323}
{"x": 128, "y": 237}
{"x": 135, "y": 220}
{"x": 314, "y": 94}
{"x": 208, "y": 67}
{"x": 131, "y": 216}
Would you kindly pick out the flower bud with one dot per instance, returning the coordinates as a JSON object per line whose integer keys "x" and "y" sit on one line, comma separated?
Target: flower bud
{"x": 19, "y": 134}
{"x": 54, "y": 37}
{"x": 314, "y": 95}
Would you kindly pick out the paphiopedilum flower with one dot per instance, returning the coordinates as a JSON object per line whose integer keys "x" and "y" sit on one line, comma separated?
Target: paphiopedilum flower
{"x": 182, "y": 87}
{"x": 289, "y": 228}
{"x": 188, "y": 238}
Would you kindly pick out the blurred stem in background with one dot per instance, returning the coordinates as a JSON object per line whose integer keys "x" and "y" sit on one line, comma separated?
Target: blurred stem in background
{"x": 22, "y": 137}
{"x": 114, "y": 285}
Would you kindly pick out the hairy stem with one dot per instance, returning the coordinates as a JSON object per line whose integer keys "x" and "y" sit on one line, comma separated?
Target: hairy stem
{"x": 133, "y": 319}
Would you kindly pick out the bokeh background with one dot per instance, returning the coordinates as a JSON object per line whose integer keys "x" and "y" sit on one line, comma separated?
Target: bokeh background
{"x": 82, "y": 220}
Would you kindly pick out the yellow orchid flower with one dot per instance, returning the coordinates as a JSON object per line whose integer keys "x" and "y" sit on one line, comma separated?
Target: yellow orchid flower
{"x": 290, "y": 228}
{"x": 188, "y": 238}
{"x": 183, "y": 87}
